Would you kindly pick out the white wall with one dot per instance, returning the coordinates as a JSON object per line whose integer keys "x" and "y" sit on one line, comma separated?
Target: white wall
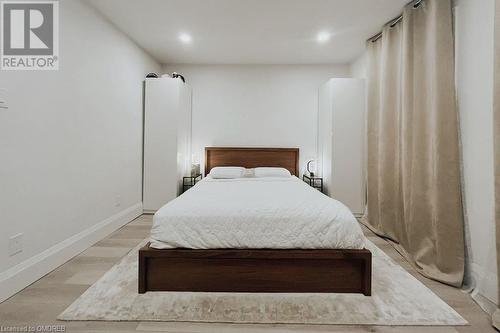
{"x": 358, "y": 68}
{"x": 474, "y": 70}
{"x": 256, "y": 105}
{"x": 70, "y": 147}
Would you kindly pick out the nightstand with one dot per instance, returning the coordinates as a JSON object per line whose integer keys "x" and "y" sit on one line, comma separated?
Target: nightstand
{"x": 190, "y": 181}
{"x": 316, "y": 182}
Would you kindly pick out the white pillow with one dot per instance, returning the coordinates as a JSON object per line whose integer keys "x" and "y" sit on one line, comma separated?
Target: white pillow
{"x": 272, "y": 172}
{"x": 249, "y": 173}
{"x": 227, "y": 172}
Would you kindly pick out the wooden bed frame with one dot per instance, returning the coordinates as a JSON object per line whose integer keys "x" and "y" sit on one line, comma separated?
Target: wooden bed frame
{"x": 254, "y": 270}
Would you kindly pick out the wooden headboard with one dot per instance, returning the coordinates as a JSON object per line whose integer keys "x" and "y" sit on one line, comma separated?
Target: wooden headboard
{"x": 287, "y": 158}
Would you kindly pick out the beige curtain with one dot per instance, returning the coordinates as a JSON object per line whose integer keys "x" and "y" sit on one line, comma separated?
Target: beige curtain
{"x": 496, "y": 133}
{"x": 414, "y": 195}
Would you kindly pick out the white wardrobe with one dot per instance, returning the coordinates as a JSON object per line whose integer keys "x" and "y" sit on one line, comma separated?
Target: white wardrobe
{"x": 341, "y": 128}
{"x": 167, "y": 140}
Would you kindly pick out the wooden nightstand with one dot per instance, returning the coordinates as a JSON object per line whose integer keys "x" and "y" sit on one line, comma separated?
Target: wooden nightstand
{"x": 190, "y": 181}
{"x": 316, "y": 182}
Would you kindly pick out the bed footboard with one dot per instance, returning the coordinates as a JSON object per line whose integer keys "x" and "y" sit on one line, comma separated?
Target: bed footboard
{"x": 260, "y": 270}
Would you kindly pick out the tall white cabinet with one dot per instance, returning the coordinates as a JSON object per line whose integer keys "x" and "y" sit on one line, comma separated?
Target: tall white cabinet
{"x": 341, "y": 128}
{"x": 167, "y": 140}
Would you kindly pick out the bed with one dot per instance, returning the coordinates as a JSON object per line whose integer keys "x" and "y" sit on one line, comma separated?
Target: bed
{"x": 255, "y": 235}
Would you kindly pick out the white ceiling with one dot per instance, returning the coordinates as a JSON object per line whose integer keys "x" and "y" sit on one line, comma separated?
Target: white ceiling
{"x": 250, "y": 31}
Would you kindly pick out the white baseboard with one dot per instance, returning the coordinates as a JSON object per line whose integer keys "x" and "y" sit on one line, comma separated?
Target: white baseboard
{"x": 485, "y": 288}
{"x": 25, "y": 273}
{"x": 487, "y": 305}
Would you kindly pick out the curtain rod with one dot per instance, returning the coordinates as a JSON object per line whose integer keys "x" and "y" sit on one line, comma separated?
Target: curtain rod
{"x": 392, "y": 23}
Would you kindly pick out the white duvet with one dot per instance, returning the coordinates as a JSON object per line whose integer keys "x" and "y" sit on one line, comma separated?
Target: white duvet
{"x": 255, "y": 213}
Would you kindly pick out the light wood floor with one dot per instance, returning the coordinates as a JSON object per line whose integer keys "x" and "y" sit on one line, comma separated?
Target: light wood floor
{"x": 40, "y": 303}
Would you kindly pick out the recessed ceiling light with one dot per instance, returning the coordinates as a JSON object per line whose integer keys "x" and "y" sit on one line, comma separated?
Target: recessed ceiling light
{"x": 185, "y": 38}
{"x": 323, "y": 37}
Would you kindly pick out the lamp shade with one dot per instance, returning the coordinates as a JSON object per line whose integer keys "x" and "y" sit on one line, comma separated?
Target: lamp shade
{"x": 311, "y": 167}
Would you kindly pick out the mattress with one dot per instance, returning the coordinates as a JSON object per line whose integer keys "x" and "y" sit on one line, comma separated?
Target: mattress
{"x": 255, "y": 213}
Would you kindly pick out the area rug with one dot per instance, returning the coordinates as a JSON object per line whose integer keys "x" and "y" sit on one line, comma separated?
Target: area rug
{"x": 398, "y": 299}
